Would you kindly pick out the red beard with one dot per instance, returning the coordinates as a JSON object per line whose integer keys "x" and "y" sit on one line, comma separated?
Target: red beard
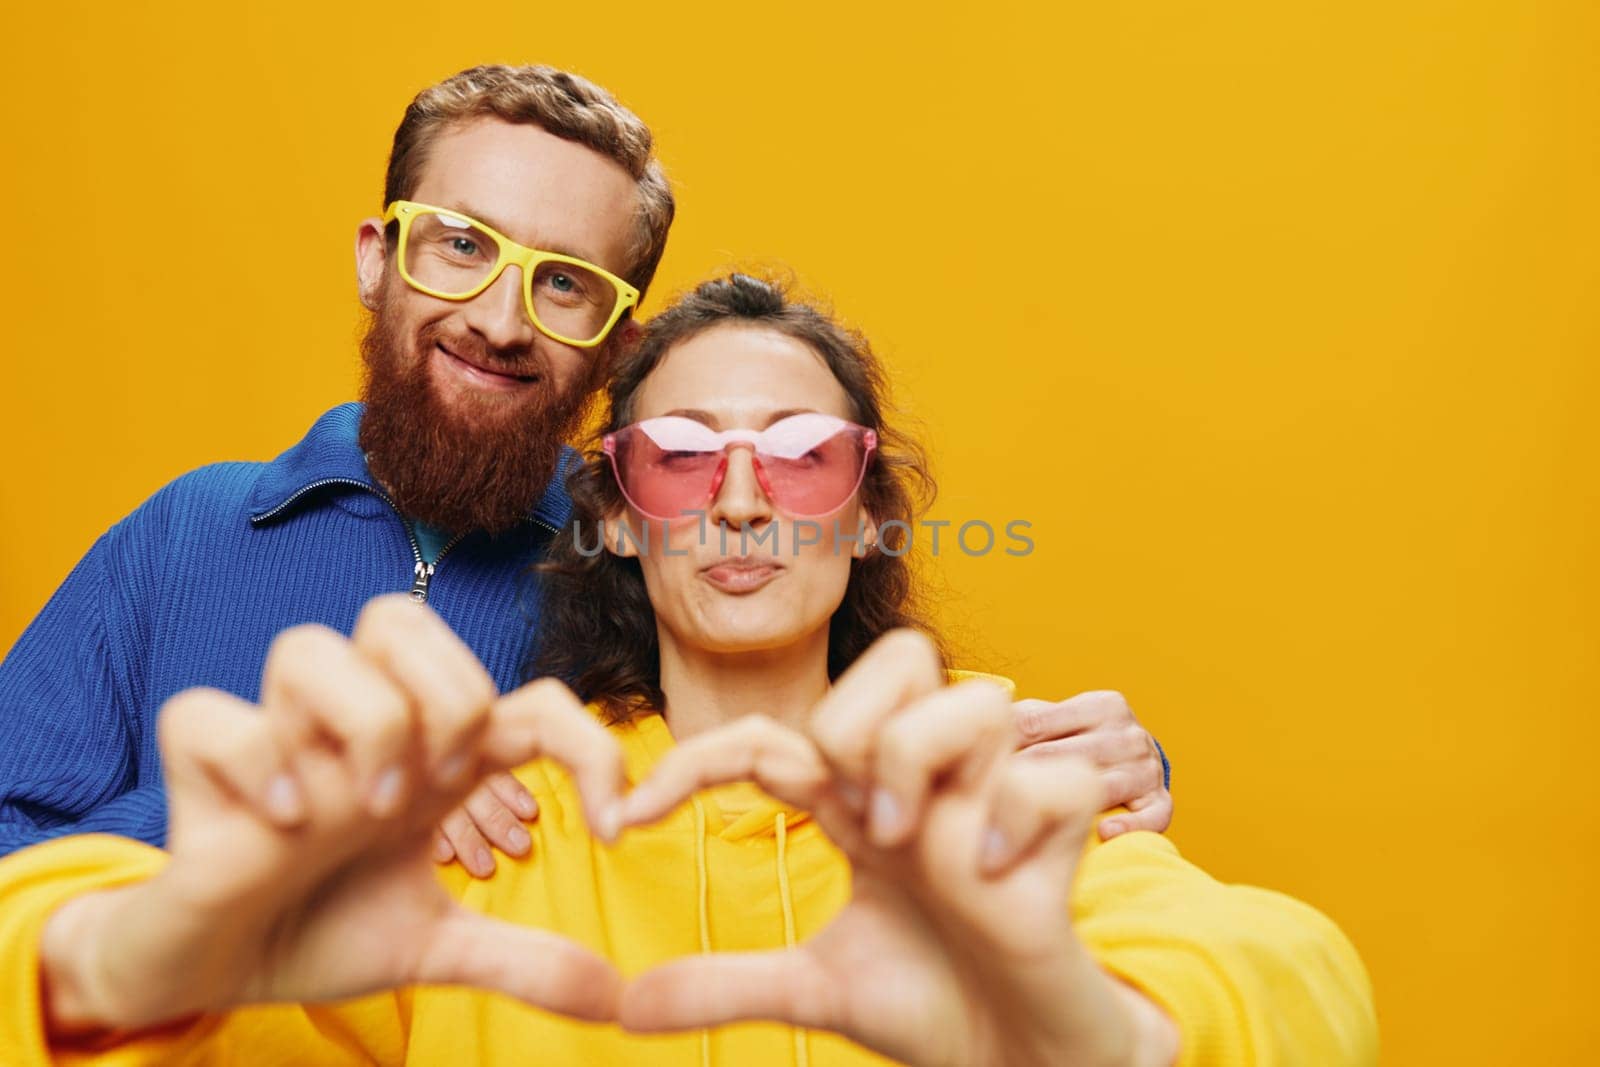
{"x": 467, "y": 463}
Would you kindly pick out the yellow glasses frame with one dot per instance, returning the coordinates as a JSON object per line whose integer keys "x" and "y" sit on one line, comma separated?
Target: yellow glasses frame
{"x": 511, "y": 254}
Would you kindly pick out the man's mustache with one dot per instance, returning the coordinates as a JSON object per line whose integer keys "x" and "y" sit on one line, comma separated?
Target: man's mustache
{"x": 516, "y": 360}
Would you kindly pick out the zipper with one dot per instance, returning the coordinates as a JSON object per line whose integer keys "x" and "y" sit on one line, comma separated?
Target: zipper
{"x": 421, "y": 571}
{"x": 318, "y": 484}
{"x": 422, "y": 574}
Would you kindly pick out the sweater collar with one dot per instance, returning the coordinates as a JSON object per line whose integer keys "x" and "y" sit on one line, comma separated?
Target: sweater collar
{"x": 330, "y": 455}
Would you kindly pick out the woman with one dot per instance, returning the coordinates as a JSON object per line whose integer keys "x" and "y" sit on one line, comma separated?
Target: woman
{"x": 900, "y": 879}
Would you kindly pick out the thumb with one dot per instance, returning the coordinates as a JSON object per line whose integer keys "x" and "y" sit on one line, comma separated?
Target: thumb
{"x": 789, "y": 985}
{"x": 535, "y": 966}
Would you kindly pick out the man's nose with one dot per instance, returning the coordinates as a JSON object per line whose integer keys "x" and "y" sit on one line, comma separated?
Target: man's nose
{"x": 500, "y": 314}
{"x": 740, "y": 499}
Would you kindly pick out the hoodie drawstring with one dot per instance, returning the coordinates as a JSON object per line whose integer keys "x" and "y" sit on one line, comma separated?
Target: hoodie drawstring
{"x": 802, "y": 1048}
{"x": 801, "y": 1040}
{"x": 703, "y": 885}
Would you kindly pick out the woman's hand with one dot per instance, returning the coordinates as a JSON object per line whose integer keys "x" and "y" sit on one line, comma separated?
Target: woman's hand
{"x": 301, "y": 833}
{"x": 957, "y": 945}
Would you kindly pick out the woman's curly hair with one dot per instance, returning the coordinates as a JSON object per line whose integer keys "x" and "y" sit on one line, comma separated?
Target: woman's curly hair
{"x": 597, "y": 629}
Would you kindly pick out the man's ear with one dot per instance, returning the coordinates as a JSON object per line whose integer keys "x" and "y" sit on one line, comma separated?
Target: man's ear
{"x": 372, "y": 253}
{"x": 618, "y": 341}
{"x": 622, "y": 541}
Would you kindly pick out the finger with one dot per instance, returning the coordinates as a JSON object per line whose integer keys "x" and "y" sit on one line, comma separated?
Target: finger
{"x": 753, "y": 748}
{"x": 314, "y": 676}
{"x": 497, "y": 823}
{"x": 443, "y": 850}
{"x": 467, "y": 844}
{"x": 959, "y": 730}
{"x": 901, "y": 666}
{"x": 544, "y": 718}
{"x": 535, "y": 966}
{"x": 1126, "y": 782}
{"x": 514, "y": 795}
{"x": 1035, "y": 801}
{"x": 1152, "y": 812}
{"x": 452, "y": 692}
{"x": 1103, "y": 747}
{"x": 228, "y": 740}
{"x": 1042, "y": 720}
{"x": 788, "y": 986}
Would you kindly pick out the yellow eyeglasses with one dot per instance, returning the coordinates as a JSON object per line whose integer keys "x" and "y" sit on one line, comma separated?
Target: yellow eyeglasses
{"x": 455, "y": 257}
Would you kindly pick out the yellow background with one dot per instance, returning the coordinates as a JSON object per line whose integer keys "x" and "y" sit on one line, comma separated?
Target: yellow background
{"x": 1278, "y": 321}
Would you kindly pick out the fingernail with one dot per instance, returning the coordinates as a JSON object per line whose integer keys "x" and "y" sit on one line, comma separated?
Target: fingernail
{"x": 442, "y": 851}
{"x": 527, "y": 807}
{"x": 520, "y": 841}
{"x": 484, "y": 863}
{"x": 1110, "y": 828}
{"x": 283, "y": 798}
{"x": 850, "y": 793}
{"x": 886, "y": 816}
{"x": 386, "y": 792}
{"x": 994, "y": 851}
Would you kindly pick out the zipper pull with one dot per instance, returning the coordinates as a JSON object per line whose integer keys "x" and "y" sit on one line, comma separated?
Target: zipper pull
{"x": 419, "y": 584}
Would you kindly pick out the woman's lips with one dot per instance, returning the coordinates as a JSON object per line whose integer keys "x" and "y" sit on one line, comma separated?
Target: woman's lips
{"x": 741, "y": 576}
{"x": 481, "y": 376}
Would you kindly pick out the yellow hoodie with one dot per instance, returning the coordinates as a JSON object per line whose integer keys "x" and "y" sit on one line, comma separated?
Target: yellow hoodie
{"x": 1250, "y": 976}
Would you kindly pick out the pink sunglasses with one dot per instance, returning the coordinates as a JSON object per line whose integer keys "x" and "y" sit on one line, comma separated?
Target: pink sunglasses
{"x": 807, "y": 464}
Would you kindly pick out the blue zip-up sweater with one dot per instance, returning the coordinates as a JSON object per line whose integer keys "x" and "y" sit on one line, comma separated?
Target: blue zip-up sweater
{"x": 191, "y": 589}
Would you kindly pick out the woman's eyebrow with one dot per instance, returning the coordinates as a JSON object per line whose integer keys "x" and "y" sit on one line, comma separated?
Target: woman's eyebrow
{"x": 696, "y": 414}
{"x": 712, "y": 421}
{"x": 779, "y": 416}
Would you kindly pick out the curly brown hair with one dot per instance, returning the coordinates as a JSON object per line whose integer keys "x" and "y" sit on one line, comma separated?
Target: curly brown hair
{"x": 597, "y": 629}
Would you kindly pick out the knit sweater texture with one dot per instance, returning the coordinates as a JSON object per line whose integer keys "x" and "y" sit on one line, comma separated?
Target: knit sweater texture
{"x": 192, "y": 588}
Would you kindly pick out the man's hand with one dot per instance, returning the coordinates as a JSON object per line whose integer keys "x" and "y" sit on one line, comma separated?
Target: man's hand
{"x": 301, "y": 831}
{"x": 957, "y": 943}
{"x": 492, "y": 816}
{"x": 1099, "y": 727}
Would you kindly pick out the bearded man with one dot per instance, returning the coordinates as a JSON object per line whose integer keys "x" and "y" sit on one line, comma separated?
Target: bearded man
{"x": 525, "y": 216}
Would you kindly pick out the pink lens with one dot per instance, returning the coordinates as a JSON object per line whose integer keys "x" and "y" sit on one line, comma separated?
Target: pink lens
{"x": 821, "y": 478}
{"x": 659, "y": 481}
{"x": 808, "y": 464}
